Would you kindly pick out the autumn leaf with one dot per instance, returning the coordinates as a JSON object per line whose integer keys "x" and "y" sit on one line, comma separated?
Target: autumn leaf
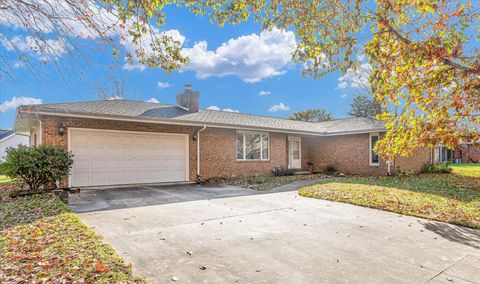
{"x": 100, "y": 267}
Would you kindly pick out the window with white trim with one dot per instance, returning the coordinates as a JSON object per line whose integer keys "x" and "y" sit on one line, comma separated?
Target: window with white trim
{"x": 374, "y": 158}
{"x": 443, "y": 154}
{"x": 252, "y": 145}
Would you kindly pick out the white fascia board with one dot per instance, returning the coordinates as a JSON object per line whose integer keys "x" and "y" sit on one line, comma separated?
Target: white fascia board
{"x": 210, "y": 125}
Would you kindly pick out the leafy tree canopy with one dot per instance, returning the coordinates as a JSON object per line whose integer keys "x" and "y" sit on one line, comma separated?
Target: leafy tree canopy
{"x": 365, "y": 106}
{"x": 312, "y": 115}
{"x": 424, "y": 55}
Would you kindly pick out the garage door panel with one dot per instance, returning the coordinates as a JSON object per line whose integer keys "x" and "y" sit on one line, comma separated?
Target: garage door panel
{"x": 115, "y": 157}
{"x": 113, "y": 164}
{"x": 81, "y": 164}
{"x": 80, "y": 140}
{"x": 97, "y": 178}
{"x": 80, "y": 177}
{"x": 96, "y": 140}
{"x": 97, "y": 164}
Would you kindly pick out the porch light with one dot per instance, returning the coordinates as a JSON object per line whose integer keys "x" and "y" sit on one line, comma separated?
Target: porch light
{"x": 61, "y": 130}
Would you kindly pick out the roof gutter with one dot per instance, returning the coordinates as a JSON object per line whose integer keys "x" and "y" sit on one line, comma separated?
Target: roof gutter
{"x": 190, "y": 123}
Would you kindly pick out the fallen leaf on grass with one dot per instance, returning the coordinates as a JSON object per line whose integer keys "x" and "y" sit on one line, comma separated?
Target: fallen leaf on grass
{"x": 100, "y": 267}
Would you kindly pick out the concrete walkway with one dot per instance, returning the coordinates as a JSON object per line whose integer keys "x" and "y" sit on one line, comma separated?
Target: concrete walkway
{"x": 283, "y": 238}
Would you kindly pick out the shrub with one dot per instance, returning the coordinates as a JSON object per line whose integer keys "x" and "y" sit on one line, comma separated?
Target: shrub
{"x": 401, "y": 172}
{"x": 311, "y": 167}
{"x": 330, "y": 170}
{"x": 443, "y": 168}
{"x": 38, "y": 166}
{"x": 278, "y": 171}
{"x": 282, "y": 171}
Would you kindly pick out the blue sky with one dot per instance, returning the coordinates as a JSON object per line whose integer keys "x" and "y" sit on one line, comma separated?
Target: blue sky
{"x": 267, "y": 78}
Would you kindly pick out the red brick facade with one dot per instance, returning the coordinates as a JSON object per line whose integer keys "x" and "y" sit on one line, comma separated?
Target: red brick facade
{"x": 50, "y": 134}
{"x": 218, "y": 154}
{"x": 350, "y": 154}
{"x": 346, "y": 153}
{"x": 469, "y": 153}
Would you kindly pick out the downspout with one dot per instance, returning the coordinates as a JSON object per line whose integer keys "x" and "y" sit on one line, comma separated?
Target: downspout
{"x": 389, "y": 167}
{"x": 199, "y": 180}
{"x": 40, "y": 132}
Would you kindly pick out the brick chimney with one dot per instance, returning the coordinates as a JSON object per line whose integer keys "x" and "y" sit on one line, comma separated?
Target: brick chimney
{"x": 188, "y": 99}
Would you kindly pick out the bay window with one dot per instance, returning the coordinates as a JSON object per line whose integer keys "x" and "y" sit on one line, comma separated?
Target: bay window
{"x": 252, "y": 145}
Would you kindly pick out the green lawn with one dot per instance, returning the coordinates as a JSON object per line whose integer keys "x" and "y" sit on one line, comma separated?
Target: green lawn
{"x": 262, "y": 183}
{"x": 443, "y": 197}
{"x": 41, "y": 240}
{"x": 4, "y": 179}
{"x": 470, "y": 170}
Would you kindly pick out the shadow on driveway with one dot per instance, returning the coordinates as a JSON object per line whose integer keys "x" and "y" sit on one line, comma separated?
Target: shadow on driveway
{"x": 100, "y": 199}
{"x": 462, "y": 235}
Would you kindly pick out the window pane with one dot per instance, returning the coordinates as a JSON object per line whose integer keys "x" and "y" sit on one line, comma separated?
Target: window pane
{"x": 240, "y": 146}
{"x": 264, "y": 146}
{"x": 295, "y": 150}
{"x": 450, "y": 154}
{"x": 375, "y": 158}
{"x": 252, "y": 146}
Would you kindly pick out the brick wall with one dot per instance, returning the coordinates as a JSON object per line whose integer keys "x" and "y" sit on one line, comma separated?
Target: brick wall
{"x": 416, "y": 161}
{"x": 50, "y": 132}
{"x": 468, "y": 153}
{"x": 347, "y": 153}
{"x": 218, "y": 146}
{"x": 350, "y": 154}
{"x": 219, "y": 156}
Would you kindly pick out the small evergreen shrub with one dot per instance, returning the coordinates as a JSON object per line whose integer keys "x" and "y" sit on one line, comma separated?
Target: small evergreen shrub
{"x": 330, "y": 170}
{"x": 401, "y": 172}
{"x": 442, "y": 168}
{"x": 38, "y": 166}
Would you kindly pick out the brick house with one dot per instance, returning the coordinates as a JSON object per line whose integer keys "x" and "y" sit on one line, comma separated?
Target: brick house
{"x": 128, "y": 142}
{"x": 467, "y": 152}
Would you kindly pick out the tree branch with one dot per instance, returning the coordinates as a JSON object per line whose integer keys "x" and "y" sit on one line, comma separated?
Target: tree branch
{"x": 444, "y": 60}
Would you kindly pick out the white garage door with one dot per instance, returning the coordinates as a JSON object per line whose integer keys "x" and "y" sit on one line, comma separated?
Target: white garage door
{"x": 103, "y": 157}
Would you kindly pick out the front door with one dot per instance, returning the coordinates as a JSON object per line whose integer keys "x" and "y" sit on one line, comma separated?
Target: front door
{"x": 294, "y": 152}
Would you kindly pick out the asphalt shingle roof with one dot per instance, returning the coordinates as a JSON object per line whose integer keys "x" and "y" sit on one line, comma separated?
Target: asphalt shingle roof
{"x": 137, "y": 109}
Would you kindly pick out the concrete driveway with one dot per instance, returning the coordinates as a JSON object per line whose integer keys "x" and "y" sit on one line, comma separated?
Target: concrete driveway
{"x": 229, "y": 235}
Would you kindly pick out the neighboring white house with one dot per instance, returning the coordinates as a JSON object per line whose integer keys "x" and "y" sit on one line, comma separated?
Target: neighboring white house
{"x": 8, "y": 138}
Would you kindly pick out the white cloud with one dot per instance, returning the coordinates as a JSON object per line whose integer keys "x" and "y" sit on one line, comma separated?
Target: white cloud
{"x": 147, "y": 44}
{"x": 114, "y": 98}
{"x": 251, "y": 57}
{"x": 356, "y": 79}
{"x": 264, "y": 93}
{"x": 343, "y": 96}
{"x": 225, "y": 109}
{"x": 278, "y": 107}
{"x": 16, "y": 102}
{"x": 77, "y": 19}
{"x": 152, "y": 100}
{"x": 42, "y": 49}
{"x": 163, "y": 85}
{"x": 230, "y": 110}
{"x": 18, "y": 64}
{"x": 86, "y": 19}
